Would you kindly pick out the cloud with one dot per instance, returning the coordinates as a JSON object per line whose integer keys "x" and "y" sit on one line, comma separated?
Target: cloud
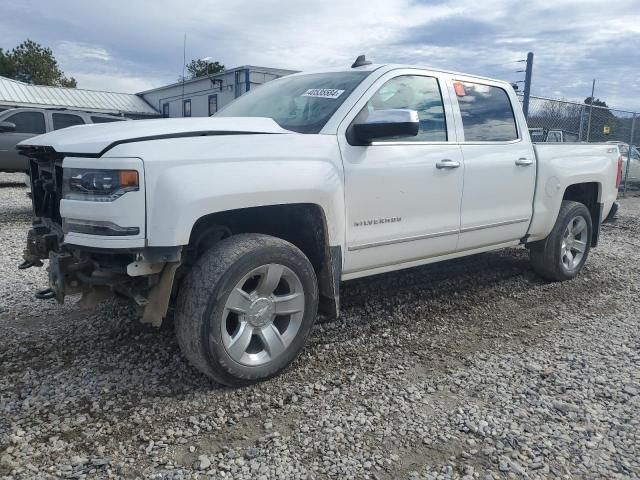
{"x": 124, "y": 44}
{"x": 69, "y": 51}
{"x": 114, "y": 82}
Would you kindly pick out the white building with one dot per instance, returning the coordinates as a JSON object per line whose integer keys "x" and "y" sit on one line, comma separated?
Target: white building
{"x": 204, "y": 96}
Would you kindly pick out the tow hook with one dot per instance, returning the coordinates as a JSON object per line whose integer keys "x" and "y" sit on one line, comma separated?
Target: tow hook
{"x": 46, "y": 294}
{"x": 59, "y": 265}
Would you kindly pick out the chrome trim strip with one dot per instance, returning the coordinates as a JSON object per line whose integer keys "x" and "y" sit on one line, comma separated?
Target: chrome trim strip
{"x": 382, "y": 243}
{"x": 362, "y": 246}
{"x": 444, "y": 142}
{"x": 408, "y": 142}
{"x": 491, "y": 225}
{"x": 479, "y": 142}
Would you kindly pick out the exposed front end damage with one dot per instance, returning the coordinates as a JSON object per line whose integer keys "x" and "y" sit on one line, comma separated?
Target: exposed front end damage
{"x": 144, "y": 275}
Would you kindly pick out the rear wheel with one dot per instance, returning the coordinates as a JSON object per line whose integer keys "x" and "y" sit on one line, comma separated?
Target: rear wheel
{"x": 246, "y": 308}
{"x": 564, "y": 252}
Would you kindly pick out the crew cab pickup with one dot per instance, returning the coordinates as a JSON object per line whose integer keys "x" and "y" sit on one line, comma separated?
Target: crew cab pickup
{"x": 243, "y": 225}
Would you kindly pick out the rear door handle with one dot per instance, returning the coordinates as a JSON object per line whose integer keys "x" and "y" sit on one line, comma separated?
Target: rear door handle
{"x": 524, "y": 162}
{"x": 446, "y": 163}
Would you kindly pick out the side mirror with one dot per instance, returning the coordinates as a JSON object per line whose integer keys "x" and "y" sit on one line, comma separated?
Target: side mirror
{"x": 7, "y": 127}
{"x": 387, "y": 123}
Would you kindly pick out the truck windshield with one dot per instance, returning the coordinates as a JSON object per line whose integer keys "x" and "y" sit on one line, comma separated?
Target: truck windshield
{"x": 301, "y": 103}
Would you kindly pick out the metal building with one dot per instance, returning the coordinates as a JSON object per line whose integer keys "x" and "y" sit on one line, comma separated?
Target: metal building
{"x": 18, "y": 94}
{"x": 204, "y": 96}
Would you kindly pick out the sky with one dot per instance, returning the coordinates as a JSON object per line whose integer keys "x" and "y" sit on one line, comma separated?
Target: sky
{"x": 134, "y": 45}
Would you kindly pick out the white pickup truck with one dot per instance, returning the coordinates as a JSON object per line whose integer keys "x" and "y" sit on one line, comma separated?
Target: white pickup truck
{"x": 244, "y": 224}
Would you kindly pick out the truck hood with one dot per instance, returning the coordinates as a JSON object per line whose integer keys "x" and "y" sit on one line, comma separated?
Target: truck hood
{"x": 97, "y": 139}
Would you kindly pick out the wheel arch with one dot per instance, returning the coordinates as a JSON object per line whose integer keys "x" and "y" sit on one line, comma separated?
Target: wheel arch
{"x": 302, "y": 224}
{"x": 588, "y": 193}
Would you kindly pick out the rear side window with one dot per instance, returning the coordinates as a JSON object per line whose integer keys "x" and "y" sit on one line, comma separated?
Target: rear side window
{"x": 28, "y": 122}
{"x": 486, "y": 112}
{"x": 64, "y": 120}
{"x": 106, "y": 119}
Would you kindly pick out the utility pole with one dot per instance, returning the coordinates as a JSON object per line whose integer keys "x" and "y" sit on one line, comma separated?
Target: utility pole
{"x": 184, "y": 65}
{"x": 527, "y": 84}
{"x": 593, "y": 92}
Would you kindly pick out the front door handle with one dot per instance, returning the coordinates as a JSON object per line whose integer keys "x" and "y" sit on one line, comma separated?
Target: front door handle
{"x": 524, "y": 162}
{"x": 446, "y": 163}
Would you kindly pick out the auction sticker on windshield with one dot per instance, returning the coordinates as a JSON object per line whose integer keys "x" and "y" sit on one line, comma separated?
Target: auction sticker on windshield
{"x": 323, "y": 93}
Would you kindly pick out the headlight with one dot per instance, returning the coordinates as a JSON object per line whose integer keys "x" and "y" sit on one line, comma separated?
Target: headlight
{"x": 98, "y": 185}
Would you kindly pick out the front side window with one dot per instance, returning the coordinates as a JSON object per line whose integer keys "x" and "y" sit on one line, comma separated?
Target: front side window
{"x": 412, "y": 92}
{"x": 64, "y": 120}
{"x": 28, "y": 122}
{"x": 486, "y": 112}
{"x": 186, "y": 108}
{"x": 301, "y": 103}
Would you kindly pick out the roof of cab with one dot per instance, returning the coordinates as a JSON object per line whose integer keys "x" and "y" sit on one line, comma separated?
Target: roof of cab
{"x": 385, "y": 67}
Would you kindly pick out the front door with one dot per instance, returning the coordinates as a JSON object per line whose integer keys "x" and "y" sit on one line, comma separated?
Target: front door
{"x": 402, "y": 194}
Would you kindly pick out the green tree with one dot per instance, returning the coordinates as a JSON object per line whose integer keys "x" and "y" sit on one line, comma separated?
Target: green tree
{"x": 7, "y": 68}
{"x": 596, "y": 102}
{"x": 35, "y": 64}
{"x": 202, "y": 68}
{"x": 601, "y": 117}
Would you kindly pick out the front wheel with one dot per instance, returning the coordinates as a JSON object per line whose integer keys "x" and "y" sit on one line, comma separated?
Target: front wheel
{"x": 564, "y": 252}
{"x": 246, "y": 308}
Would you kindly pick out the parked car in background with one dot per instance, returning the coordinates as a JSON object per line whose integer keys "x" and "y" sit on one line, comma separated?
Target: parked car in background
{"x": 542, "y": 135}
{"x": 560, "y": 136}
{"x": 246, "y": 222}
{"x": 18, "y": 124}
{"x": 537, "y": 135}
{"x": 633, "y": 175}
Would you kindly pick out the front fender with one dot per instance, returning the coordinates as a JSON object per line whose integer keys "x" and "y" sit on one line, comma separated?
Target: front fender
{"x": 207, "y": 175}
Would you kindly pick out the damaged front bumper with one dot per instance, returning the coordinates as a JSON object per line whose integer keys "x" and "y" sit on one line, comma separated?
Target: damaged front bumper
{"x": 145, "y": 275}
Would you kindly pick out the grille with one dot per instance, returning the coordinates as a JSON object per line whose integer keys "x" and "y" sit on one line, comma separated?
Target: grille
{"x": 45, "y": 169}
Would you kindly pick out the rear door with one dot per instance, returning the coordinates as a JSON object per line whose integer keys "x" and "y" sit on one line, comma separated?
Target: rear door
{"x": 402, "y": 204}
{"x": 500, "y": 165}
{"x": 29, "y": 123}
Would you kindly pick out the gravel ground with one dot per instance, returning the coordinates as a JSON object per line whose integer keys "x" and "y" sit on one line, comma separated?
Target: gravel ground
{"x": 473, "y": 368}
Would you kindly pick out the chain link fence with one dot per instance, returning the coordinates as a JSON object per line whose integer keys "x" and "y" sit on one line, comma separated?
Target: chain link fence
{"x": 553, "y": 120}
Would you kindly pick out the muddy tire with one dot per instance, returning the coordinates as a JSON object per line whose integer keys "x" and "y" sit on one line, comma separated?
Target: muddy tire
{"x": 564, "y": 252}
{"x": 246, "y": 308}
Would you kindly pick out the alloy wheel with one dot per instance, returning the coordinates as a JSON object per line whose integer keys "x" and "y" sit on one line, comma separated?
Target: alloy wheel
{"x": 574, "y": 242}
{"x": 263, "y": 314}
